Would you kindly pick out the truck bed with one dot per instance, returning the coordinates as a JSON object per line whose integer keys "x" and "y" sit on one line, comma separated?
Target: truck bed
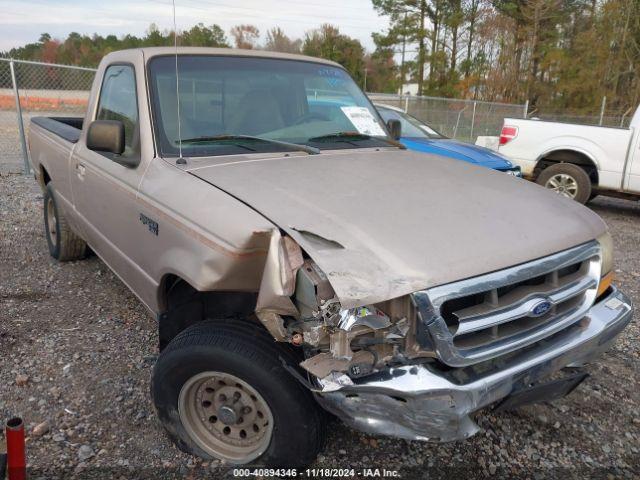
{"x": 52, "y": 140}
{"x": 567, "y": 122}
{"x": 68, "y": 128}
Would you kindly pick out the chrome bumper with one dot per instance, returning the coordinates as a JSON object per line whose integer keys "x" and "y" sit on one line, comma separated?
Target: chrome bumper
{"x": 420, "y": 402}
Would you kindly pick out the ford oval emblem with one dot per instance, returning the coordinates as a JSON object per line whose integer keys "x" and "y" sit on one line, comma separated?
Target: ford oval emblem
{"x": 540, "y": 308}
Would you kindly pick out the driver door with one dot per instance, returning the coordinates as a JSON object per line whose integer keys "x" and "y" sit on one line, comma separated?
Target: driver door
{"x": 105, "y": 189}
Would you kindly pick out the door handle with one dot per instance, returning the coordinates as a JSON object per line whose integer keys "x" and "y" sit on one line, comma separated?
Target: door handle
{"x": 80, "y": 169}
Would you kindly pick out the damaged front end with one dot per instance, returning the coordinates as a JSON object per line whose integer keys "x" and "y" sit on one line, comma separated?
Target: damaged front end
{"x": 418, "y": 366}
{"x": 297, "y": 304}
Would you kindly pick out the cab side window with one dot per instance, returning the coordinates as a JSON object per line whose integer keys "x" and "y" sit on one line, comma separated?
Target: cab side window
{"x": 118, "y": 101}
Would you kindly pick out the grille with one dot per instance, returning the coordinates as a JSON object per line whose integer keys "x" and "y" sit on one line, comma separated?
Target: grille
{"x": 487, "y": 316}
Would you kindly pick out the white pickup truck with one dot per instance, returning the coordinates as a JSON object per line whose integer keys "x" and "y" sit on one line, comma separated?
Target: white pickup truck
{"x": 578, "y": 161}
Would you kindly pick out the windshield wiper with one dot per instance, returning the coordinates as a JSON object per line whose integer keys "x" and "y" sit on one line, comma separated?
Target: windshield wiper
{"x": 221, "y": 138}
{"x": 354, "y": 136}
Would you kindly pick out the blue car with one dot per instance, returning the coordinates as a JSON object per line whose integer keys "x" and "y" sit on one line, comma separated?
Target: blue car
{"x": 422, "y": 138}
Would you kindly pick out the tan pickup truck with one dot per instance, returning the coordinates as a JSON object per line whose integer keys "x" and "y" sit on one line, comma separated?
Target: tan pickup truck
{"x": 298, "y": 260}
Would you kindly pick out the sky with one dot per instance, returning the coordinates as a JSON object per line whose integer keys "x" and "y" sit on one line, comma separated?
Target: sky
{"x": 22, "y": 21}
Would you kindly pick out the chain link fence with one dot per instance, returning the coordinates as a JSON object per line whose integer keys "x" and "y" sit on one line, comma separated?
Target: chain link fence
{"x": 43, "y": 89}
{"x": 465, "y": 120}
{"x": 460, "y": 119}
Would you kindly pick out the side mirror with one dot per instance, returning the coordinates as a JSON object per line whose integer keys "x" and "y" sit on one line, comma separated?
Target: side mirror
{"x": 106, "y": 136}
{"x": 395, "y": 128}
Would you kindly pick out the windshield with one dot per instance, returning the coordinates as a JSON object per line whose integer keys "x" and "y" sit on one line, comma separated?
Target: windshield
{"x": 411, "y": 127}
{"x": 285, "y": 100}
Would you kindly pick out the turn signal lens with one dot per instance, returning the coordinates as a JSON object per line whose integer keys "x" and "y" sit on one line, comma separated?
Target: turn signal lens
{"x": 605, "y": 283}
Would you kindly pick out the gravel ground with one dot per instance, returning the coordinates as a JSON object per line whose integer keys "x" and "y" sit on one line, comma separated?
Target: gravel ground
{"x": 77, "y": 349}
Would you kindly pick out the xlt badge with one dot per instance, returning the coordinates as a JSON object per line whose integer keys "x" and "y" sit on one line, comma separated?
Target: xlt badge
{"x": 152, "y": 225}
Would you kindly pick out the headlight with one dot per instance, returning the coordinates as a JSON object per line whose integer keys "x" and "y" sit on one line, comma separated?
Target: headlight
{"x": 515, "y": 171}
{"x": 606, "y": 245}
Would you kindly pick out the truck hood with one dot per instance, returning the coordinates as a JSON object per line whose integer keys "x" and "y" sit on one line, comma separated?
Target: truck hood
{"x": 382, "y": 224}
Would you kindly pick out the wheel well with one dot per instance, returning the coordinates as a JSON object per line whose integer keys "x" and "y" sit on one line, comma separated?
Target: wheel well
{"x": 568, "y": 156}
{"x": 183, "y": 305}
{"x": 44, "y": 175}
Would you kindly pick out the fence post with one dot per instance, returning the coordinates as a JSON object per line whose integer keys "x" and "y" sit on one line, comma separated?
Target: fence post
{"x": 406, "y": 104}
{"x": 526, "y": 109}
{"x": 455, "y": 130}
{"x": 473, "y": 121}
{"x": 602, "y": 107}
{"x": 23, "y": 141}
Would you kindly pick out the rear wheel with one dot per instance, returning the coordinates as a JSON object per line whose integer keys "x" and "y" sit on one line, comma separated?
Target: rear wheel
{"x": 64, "y": 244}
{"x": 568, "y": 180}
{"x": 221, "y": 392}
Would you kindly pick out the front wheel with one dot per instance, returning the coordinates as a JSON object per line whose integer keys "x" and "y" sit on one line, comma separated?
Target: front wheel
{"x": 568, "y": 180}
{"x": 221, "y": 392}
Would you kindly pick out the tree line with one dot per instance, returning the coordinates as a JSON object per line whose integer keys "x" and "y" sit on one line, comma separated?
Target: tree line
{"x": 559, "y": 54}
{"x": 556, "y": 54}
{"x": 376, "y": 71}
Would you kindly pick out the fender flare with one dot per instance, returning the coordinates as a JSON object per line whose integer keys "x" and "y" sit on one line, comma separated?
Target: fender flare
{"x": 568, "y": 148}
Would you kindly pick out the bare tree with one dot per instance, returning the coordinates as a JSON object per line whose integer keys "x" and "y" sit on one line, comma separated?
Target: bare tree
{"x": 245, "y": 36}
{"x": 278, "y": 41}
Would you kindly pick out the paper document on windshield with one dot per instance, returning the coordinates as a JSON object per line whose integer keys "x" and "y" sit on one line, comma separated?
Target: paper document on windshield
{"x": 364, "y": 122}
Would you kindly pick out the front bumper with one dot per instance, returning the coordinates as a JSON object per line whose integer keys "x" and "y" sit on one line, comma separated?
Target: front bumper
{"x": 422, "y": 402}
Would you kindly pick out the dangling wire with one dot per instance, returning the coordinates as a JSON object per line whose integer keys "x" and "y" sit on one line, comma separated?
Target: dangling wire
{"x": 175, "y": 46}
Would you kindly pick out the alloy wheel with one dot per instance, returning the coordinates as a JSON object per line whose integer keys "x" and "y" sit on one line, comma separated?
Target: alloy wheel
{"x": 563, "y": 184}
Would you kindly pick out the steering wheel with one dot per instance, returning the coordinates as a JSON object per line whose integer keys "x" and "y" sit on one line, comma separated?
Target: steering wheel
{"x": 307, "y": 117}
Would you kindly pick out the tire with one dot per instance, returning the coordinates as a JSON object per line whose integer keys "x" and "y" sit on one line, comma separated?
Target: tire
{"x": 568, "y": 180}
{"x": 216, "y": 350}
{"x": 64, "y": 244}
